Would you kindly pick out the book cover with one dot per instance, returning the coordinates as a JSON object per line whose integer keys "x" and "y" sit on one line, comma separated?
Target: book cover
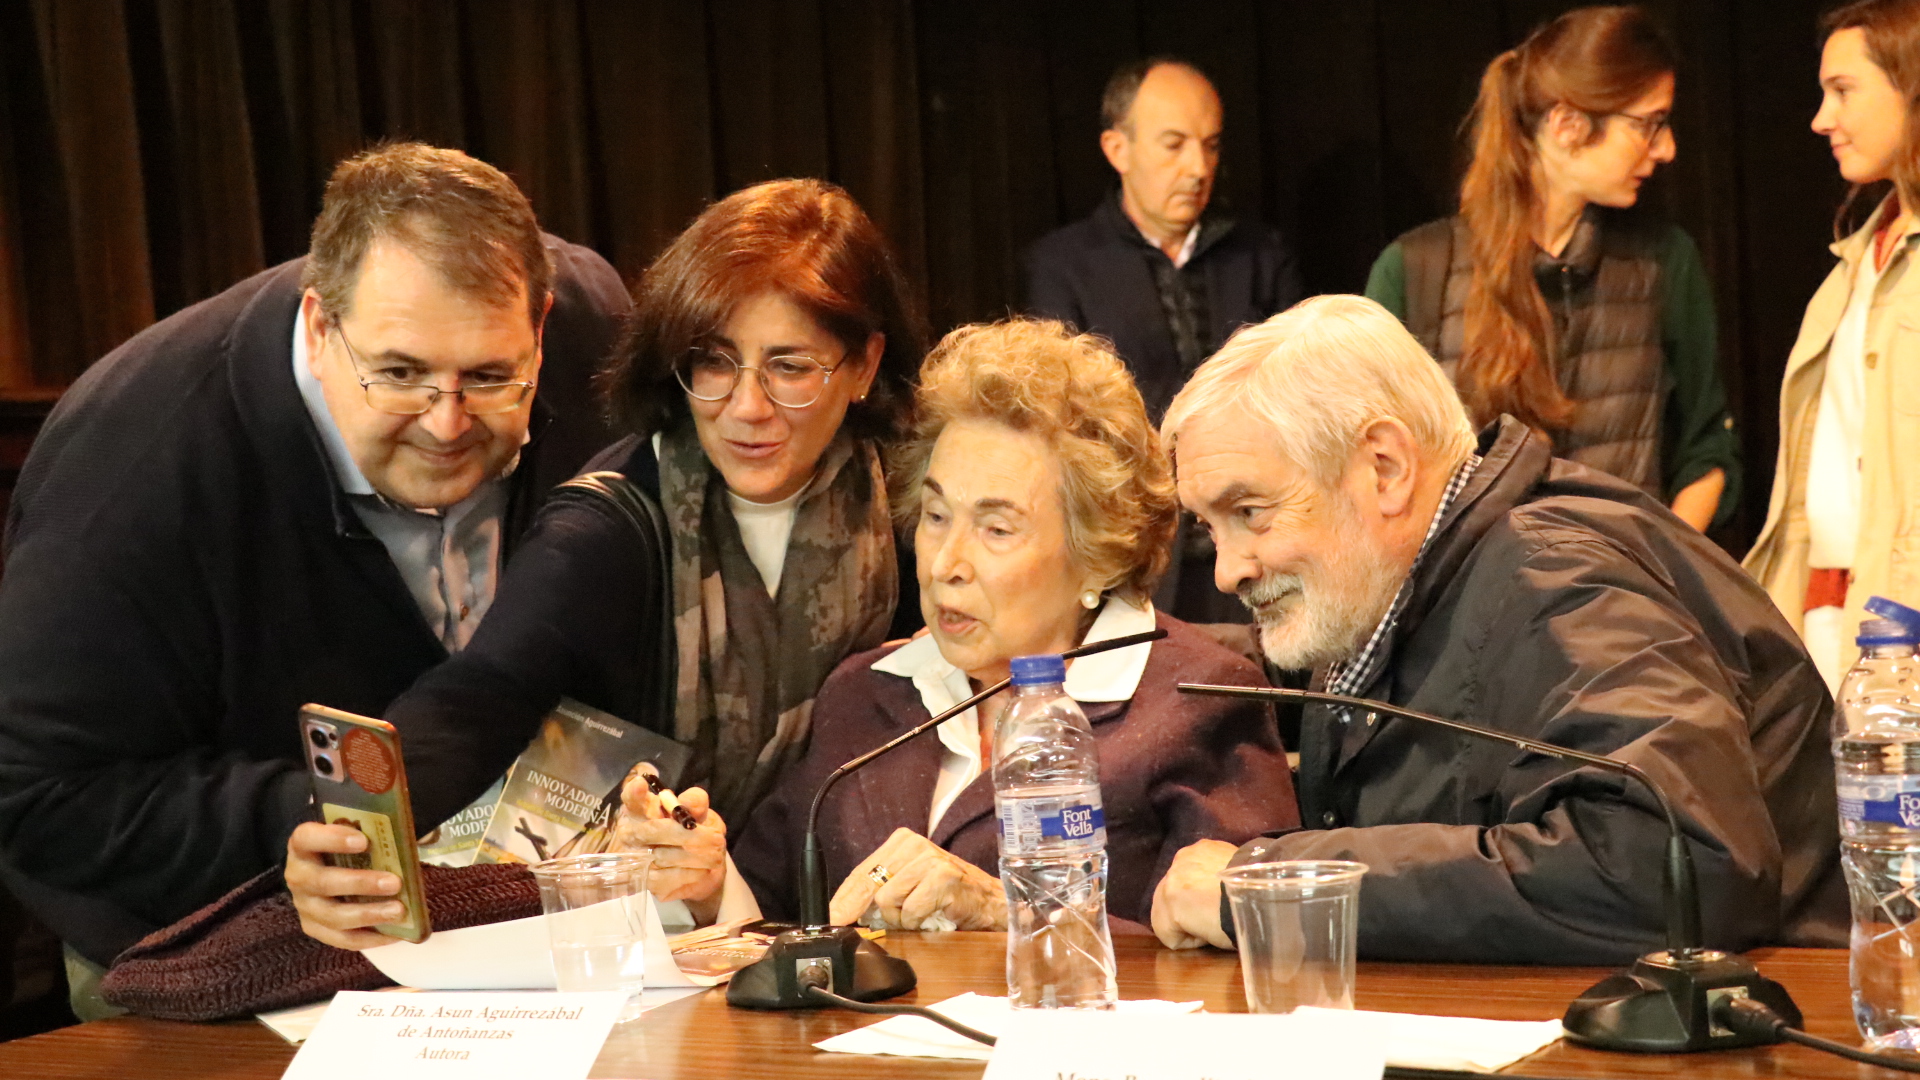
{"x": 457, "y": 840}
{"x": 563, "y": 791}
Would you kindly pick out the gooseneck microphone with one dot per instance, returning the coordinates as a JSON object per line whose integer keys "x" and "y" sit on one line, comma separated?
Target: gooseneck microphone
{"x": 835, "y": 958}
{"x": 1666, "y": 1002}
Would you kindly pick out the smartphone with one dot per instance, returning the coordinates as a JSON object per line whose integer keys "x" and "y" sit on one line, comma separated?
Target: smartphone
{"x": 360, "y": 781}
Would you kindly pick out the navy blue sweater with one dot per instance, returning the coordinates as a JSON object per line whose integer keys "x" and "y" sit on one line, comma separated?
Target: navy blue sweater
{"x": 182, "y": 574}
{"x": 1097, "y": 274}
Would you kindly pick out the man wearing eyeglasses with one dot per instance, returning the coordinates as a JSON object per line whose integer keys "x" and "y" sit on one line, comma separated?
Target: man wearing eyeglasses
{"x": 299, "y": 490}
{"x": 423, "y": 427}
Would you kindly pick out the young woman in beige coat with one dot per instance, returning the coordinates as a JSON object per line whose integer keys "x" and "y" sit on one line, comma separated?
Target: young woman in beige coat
{"x": 1844, "y": 523}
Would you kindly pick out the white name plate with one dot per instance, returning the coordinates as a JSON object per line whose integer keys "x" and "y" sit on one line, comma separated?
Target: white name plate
{"x": 1070, "y": 1044}
{"x": 466, "y": 1035}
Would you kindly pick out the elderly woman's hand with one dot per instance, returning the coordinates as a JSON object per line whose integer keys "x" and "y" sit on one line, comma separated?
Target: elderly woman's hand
{"x": 925, "y": 887}
{"x": 688, "y": 864}
{"x": 336, "y": 905}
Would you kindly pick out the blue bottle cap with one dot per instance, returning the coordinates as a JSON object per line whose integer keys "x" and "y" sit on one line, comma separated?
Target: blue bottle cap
{"x": 1898, "y": 612}
{"x": 1886, "y": 632}
{"x": 1040, "y": 670}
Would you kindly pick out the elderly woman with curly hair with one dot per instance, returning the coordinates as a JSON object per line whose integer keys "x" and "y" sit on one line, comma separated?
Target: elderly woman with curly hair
{"x": 1041, "y": 506}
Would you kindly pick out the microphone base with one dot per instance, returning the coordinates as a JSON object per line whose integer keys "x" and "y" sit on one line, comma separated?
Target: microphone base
{"x": 834, "y": 958}
{"x": 1664, "y": 1004}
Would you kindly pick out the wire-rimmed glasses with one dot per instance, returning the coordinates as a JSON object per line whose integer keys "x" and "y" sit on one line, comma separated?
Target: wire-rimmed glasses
{"x": 1649, "y": 127}
{"x": 708, "y": 374}
{"x": 415, "y": 398}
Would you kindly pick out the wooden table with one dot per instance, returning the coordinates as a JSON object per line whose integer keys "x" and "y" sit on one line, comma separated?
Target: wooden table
{"x": 702, "y": 1039}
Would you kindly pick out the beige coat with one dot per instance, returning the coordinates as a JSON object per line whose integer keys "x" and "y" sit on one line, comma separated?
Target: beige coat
{"x": 1886, "y": 561}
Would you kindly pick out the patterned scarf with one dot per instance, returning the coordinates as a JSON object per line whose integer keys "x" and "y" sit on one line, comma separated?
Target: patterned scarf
{"x": 750, "y": 664}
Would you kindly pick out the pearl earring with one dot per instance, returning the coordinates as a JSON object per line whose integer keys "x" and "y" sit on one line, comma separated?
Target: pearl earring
{"x": 1090, "y": 599}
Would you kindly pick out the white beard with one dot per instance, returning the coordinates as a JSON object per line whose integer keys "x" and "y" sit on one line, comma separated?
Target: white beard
{"x": 1307, "y": 621}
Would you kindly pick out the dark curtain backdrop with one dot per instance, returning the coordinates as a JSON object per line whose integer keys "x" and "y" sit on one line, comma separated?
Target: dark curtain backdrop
{"x": 152, "y": 152}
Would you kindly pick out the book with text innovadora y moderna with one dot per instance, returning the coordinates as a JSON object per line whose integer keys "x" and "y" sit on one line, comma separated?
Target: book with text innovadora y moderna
{"x": 560, "y": 794}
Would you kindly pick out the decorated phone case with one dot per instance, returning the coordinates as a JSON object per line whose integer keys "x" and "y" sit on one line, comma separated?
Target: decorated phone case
{"x": 360, "y": 781}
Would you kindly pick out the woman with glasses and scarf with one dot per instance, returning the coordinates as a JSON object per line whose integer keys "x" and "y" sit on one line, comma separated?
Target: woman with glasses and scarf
{"x": 1548, "y": 297}
{"x": 767, "y": 367}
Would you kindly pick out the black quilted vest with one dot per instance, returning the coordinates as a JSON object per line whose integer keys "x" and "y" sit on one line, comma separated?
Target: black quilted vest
{"x": 1605, "y": 296}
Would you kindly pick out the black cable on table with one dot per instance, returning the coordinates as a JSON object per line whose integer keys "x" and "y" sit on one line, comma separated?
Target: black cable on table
{"x": 831, "y": 998}
{"x": 1416, "y": 1073}
{"x": 1885, "y": 1061}
{"x": 1748, "y": 1016}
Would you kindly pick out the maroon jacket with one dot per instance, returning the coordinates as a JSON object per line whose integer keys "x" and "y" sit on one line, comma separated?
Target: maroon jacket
{"x": 1173, "y": 769}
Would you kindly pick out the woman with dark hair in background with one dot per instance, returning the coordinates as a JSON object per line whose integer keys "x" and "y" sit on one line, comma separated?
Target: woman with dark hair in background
{"x": 1844, "y": 521}
{"x": 1548, "y": 297}
{"x": 768, "y": 364}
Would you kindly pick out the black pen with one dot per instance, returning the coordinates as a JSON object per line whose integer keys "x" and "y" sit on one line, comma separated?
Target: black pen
{"x": 680, "y": 813}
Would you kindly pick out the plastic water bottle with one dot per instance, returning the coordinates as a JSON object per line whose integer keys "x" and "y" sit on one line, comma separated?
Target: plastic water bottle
{"x": 1876, "y": 752}
{"x": 1053, "y": 845}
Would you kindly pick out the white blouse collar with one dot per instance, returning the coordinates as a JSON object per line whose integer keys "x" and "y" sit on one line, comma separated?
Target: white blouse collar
{"x": 1108, "y": 676}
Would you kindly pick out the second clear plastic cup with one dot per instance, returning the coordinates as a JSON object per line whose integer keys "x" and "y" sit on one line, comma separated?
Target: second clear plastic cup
{"x": 1296, "y": 923}
{"x": 596, "y": 911}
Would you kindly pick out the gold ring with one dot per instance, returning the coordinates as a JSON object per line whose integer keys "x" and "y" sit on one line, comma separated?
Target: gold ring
{"x": 880, "y": 875}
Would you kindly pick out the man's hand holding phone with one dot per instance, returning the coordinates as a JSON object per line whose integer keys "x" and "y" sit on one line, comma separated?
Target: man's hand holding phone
{"x": 342, "y": 869}
{"x": 337, "y": 904}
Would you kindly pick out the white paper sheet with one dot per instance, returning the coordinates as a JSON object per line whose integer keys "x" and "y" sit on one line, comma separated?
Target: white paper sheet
{"x": 1465, "y": 1043}
{"x": 513, "y": 955}
{"x": 476, "y": 1036}
{"x": 295, "y": 1024}
{"x": 1413, "y": 1040}
{"x": 914, "y": 1036}
{"x": 1043, "y": 1044}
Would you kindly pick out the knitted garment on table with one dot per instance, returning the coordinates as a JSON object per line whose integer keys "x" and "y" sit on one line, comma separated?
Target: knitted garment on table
{"x": 245, "y": 953}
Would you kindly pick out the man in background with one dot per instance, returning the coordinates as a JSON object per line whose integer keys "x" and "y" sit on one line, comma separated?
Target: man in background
{"x": 1158, "y": 275}
{"x": 302, "y": 489}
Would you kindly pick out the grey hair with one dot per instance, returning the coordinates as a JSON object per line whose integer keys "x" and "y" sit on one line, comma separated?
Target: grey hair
{"x": 1317, "y": 374}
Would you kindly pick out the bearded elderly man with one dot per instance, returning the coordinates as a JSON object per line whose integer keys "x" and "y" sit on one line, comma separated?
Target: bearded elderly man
{"x": 1377, "y": 540}
{"x": 298, "y": 490}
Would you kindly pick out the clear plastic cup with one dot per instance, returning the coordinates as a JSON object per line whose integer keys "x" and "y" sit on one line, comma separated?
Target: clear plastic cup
{"x": 596, "y": 911}
{"x": 1295, "y": 923}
